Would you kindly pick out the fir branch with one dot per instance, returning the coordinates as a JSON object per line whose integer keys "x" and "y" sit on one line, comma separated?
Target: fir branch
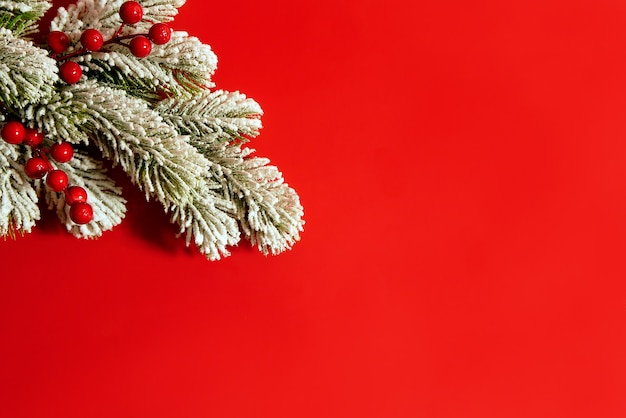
{"x": 208, "y": 226}
{"x": 153, "y": 11}
{"x": 271, "y": 213}
{"x": 27, "y": 74}
{"x": 131, "y": 134}
{"x": 217, "y": 116}
{"x": 18, "y": 199}
{"x": 187, "y": 59}
{"x": 267, "y": 209}
{"x": 125, "y": 129}
{"x": 168, "y": 169}
{"x": 144, "y": 88}
{"x": 156, "y": 158}
{"x": 181, "y": 68}
{"x": 184, "y": 152}
{"x": 104, "y": 16}
{"x": 109, "y": 207}
{"x": 22, "y": 17}
{"x": 61, "y": 118}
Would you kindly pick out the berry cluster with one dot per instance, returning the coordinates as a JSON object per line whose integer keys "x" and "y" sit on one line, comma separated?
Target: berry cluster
{"x": 140, "y": 45}
{"x": 38, "y": 167}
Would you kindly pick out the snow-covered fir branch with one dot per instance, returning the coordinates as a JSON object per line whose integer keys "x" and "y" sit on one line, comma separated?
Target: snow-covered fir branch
{"x": 109, "y": 206}
{"x": 18, "y": 199}
{"x": 22, "y": 17}
{"x": 156, "y": 117}
{"x": 159, "y": 160}
{"x": 218, "y": 123}
{"x": 104, "y": 16}
{"x": 267, "y": 209}
{"x": 182, "y": 68}
{"x": 27, "y": 73}
{"x": 207, "y": 225}
{"x": 128, "y": 133}
{"x": 183, "y": 65}
{"x": 214, "y": 116}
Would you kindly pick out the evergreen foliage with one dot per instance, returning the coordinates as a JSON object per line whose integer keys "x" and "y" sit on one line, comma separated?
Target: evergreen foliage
{"x": 160, "y": 118}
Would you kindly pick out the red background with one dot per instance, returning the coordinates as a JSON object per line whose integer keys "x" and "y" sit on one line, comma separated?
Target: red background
{"x": 463, "y": 168}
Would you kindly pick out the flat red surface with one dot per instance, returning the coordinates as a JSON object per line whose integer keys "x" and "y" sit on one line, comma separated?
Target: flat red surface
{"x": 463, "y": 171}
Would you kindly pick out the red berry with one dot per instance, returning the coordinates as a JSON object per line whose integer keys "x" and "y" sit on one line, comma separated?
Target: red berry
{"x": 58, "y": 41}
{"x": 140, "y": 46}
{"x": 92, "y": 40}
{"x": 70, "y": 72}
{"x": 131, "y": 12}
{"x": 57, "y": 180}
{"x": 81, "y": 213}
{"x": 75, "y": 194}
{"x": 160, "y": 33}
{"x": 62, "y": 152}
{"x": 36, "y": 167}
{"x": 13, "y": 132}
{"x": 33, "y": 137}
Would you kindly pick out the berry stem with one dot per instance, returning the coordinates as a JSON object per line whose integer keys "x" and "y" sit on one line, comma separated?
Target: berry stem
{"x": 116, "y": 39}
{"x": 119, "y": 31}
{"x": 70, "y": 55}
{"x": 42, "y": 153}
